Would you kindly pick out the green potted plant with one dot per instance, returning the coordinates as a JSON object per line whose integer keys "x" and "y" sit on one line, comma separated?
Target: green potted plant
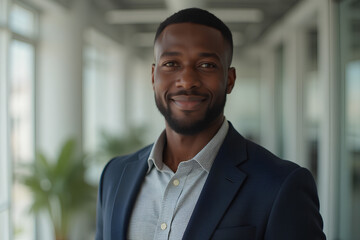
{"x": 59, "y": 187}
{"x": 113, "y": 145}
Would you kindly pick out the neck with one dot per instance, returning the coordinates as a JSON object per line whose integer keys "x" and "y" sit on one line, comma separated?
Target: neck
{"x": 181, "y": 147}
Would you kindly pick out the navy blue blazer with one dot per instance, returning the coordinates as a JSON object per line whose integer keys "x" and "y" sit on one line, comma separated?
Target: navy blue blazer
{"x": 249, "y": 194}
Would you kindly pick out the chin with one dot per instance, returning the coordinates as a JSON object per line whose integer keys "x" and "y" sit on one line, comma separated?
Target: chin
{"x": 190, "y": 127}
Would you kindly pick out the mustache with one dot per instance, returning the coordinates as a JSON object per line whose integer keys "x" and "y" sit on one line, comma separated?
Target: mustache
{"x": 186, "y": 93}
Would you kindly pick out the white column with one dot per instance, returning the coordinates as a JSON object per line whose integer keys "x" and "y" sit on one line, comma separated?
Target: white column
{"x": 59, "y": 81}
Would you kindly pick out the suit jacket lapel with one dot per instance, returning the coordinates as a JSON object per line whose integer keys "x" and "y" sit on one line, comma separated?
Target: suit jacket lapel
{"x": 128, "y": 188}
{"x": 221, "y": 186}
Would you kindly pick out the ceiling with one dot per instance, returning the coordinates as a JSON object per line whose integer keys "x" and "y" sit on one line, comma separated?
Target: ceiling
{"x": 247, "y": 19}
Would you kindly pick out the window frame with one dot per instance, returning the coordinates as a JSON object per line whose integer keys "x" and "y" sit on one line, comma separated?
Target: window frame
{"x": 7, "y": 35}
{"x": 5, "y": 161}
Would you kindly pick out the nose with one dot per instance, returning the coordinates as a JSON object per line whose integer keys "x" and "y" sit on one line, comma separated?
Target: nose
{"x": 188, "y": 79}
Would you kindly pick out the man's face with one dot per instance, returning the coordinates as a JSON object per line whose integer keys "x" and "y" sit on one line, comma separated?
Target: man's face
{"x": 191, "y": 76}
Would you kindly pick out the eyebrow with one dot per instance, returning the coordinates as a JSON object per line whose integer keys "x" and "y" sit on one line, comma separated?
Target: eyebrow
{"x": 205, "y": 54}
{"x": 169, "y": 54}
{"x": 202, "y": 54}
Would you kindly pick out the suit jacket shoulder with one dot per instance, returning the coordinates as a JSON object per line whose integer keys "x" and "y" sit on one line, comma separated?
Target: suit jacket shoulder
{"x": 119, "y": 184}
{"x": 260, "y": 196}
{"x": 261, "y": 162}
{"x": 114, "y": 166}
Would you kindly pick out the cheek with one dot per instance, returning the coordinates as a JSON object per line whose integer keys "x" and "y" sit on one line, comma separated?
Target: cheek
{"x": 218, "y": 90}
{"x": 160, "y": 89}
{"x": 215, "y": 85}
{"x": 159, "y": 85}
{"x": 162, "y": 84}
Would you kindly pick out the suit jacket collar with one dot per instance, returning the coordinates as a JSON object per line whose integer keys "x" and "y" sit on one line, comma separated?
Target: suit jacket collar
{"x": 221, "y": 186}
{"x": 129, "y": 185}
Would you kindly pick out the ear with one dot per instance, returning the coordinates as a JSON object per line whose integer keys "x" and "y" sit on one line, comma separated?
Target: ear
{"x": 231, "y": 79}
{"x": 152, "y": 74}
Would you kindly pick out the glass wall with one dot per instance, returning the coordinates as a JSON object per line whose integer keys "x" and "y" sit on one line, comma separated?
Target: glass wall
{"x": 311, "y": 101}
{"x": 279, "y": 99}
{"x": 242, "y": 107}
{"x": 349, "y": 13}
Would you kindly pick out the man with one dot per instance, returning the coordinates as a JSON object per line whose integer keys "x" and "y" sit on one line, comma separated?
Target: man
{"x": 201, "y": 179}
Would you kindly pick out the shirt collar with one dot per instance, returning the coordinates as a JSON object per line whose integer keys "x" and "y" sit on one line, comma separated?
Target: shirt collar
{"x": 155, "y": 157}
{"x": 205, "y": 157}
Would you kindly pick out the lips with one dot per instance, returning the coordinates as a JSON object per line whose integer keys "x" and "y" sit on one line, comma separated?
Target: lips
{"x": 188, "y": 102}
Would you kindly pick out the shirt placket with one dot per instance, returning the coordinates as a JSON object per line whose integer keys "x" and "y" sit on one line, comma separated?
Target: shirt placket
{"x": 169, "y": 203}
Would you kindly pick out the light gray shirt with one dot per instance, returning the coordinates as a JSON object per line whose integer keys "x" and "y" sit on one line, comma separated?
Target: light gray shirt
{"x": 166, "y": 199}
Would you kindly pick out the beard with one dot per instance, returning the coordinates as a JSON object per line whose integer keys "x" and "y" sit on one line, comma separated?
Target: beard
{"x": 192, "y": 127}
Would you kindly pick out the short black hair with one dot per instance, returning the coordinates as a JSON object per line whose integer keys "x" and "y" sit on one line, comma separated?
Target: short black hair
{"x": 198, "y": 16}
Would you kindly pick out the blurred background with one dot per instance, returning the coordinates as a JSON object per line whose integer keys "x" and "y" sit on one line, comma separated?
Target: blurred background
{"x": 75, "y": 90}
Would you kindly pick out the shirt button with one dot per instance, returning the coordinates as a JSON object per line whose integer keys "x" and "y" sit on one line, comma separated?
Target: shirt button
{"x": 163, "y": 226}
{"x": 176, "y": 182}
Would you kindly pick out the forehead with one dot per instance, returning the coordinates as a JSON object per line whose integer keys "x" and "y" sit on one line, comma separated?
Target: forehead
{"x": 190, "y": 37}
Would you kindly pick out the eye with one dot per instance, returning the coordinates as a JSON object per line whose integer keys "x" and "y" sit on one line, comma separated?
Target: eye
{"x": 170, "y": 64}
{"x": 207, "y": 65}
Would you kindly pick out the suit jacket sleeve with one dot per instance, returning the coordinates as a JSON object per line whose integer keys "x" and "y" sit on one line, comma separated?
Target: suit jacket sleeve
{"x": 295, "y": 212}
{"x": 99, "y": 219}
{"x": 99, "y": 209}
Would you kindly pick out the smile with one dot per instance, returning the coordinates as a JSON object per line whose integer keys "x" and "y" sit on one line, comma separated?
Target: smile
{"x": 188, "y": 102}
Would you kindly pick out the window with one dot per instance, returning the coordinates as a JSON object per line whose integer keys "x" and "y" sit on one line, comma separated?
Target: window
{"x": 22, "y": 21}
{"x": 21, "y": 101}
{"x": 4, "y": 224}
{"x": 20, "y": 112}
{"x": 103, "y": 93}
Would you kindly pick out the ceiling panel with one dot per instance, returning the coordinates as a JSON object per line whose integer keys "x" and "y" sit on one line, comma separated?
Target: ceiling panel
{"x": 250, "y": 31}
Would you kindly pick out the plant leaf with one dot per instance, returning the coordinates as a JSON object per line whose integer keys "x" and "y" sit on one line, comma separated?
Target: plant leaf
{"x": 65, "y": 157}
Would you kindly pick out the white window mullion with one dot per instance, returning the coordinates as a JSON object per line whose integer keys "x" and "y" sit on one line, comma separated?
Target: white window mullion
{"x": 5, "y": 163}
